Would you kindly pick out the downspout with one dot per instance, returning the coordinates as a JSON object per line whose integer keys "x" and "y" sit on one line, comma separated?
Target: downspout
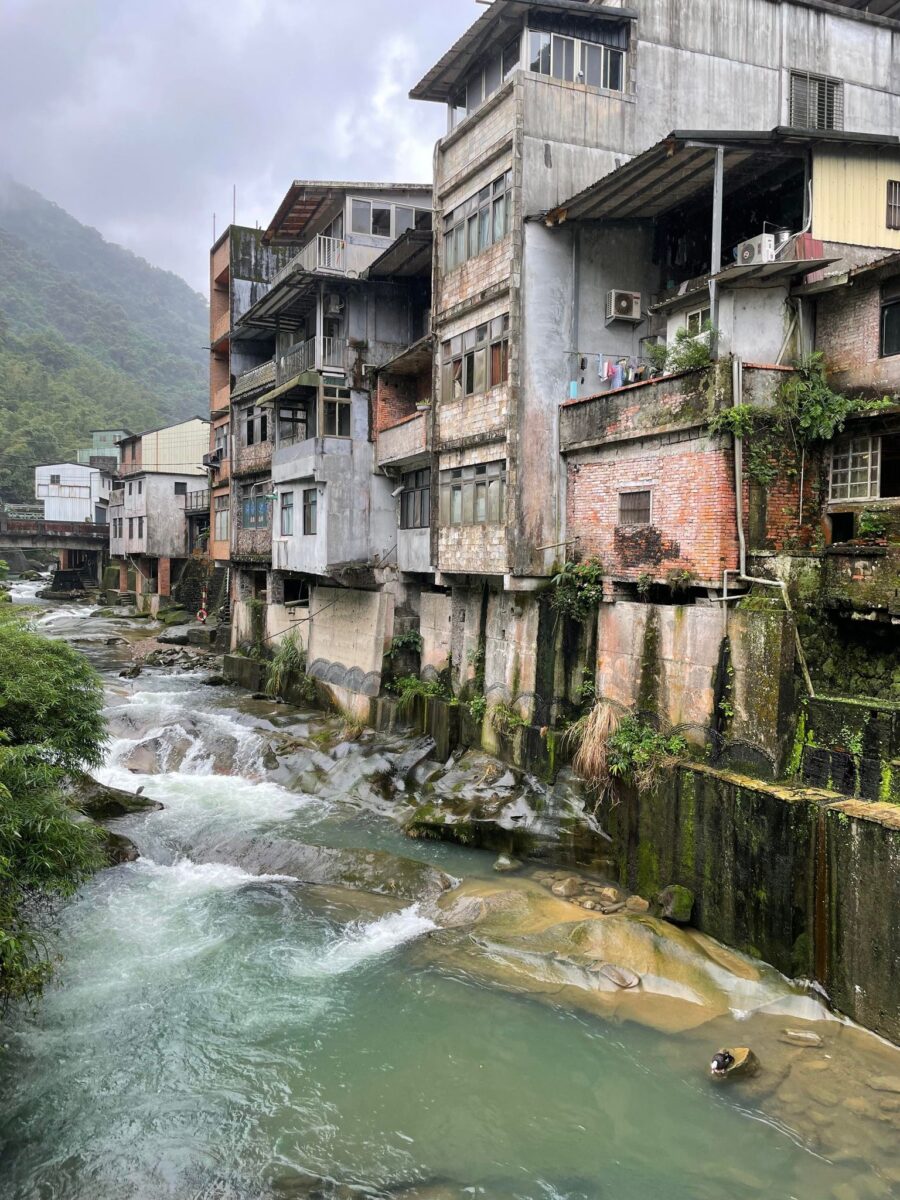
{"x": 737, "y": 398}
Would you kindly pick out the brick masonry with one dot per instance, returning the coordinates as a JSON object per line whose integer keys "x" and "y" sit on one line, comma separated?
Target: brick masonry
{"x": 848, "y": 329}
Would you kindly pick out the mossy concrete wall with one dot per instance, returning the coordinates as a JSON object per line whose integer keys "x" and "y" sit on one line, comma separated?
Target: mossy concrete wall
{"x": 798, "y": 877}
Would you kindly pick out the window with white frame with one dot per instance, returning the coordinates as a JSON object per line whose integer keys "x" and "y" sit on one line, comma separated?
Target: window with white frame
{"x": 817, "y": 101}
{"x": 254, "y": 506}
{"x": 855, "y": 468}
{"x": 893, "y": 204}
{"x": 222, "y": 518}
{"x": 54, "y": 479}
{"x": 474, "y": 495}
{"x": 486, "y": 79}
{"x": 221, "y": 445}
{"x": 310, "y": 511}
{"x": 696, "y": 319}
{"x": 635, "y": 507}
{"x": 379, "y": 218}
{"x": 415, "y": 500}
{"x": 475, "y": 225}
{"x": 256, "y": 426}
{"x": 475, "y": 361}
{"x": 287, "y": 514}
{"x": 575, "y": 61}
{"x": 336, "y": 410}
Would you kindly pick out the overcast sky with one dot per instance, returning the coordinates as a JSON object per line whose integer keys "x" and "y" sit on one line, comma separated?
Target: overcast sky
{"x": 137, "y": 116}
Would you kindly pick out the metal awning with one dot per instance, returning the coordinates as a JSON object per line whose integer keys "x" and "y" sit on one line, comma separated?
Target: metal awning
{"x": 679, "y": 168}
{"x": 285, "y": 305}
{"x": 502, "y": 19}
{"x": 408, "y": 257}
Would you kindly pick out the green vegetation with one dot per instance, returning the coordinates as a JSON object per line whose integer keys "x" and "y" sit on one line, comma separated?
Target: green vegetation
{"x": 91, "y": 336}
{"x": 506, "y": 720}
{"x": 578, "y": 588}
{"x": 871, "y": 524}
{"x": 477, "y": 708}
{"x": 611, "y": 748}
{"x": 688, "y": 351}
{"x": 408, "y": 687}
{"x": 51, "y": 725}
{"x": 411, "y": 640}
{"x": 287, "y": 665}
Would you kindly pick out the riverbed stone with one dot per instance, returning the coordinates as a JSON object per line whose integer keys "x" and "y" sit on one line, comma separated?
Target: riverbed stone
{"x": 885, "y": 1083}
{"x": 104, "y": 803}
{"x": 637, "y": 904}
{"x": 676, "y": 904}
{"x": 567, "y": 888}
{"x": 506, "y": 865}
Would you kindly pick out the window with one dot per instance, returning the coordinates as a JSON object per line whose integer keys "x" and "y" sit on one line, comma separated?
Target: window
{"x": 415, "y": 500}
{"x": 296, "y": 591}
{"x": 130, "y": 488}
{"x": 476, "y": 361}
{"x": 378, "y": 219}
{"x": 890, "y": 319}
{"x": 381, "y": 220}
{"x": 634, "y": 508}
{"x": 54, "y": 479}
{"x": 287, "y": 514}
{"x": 140, "y": 522}
{"x": 222, "y": 441}
{"x": 181, "y": 489}
{"x": 131, "y": 527}
{"x": 256, "y": 426}
{"x": 478, "y": 223}
{"x": 696, "y": 319}
{"x": 893, "y": 204}
{"x": 855, "y": 468}
{"x": 140, "y": 487}
{"x": 254, "y": 506}
{"x": 817, "y": 102}
{"x": 485, "y": 80}
{"x": 310, "y": 505}
{"x": 291, "y": 426}
{"x": 336, "y": 411}
{"x": 474, "y": 495}
{"x": 222, "y": 518}
{"x": 575, "y": 61}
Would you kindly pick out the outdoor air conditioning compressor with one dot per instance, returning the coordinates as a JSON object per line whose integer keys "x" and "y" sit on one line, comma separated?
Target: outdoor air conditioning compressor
{"x": 624, "y": 306}
{"x": 755, "y": 251}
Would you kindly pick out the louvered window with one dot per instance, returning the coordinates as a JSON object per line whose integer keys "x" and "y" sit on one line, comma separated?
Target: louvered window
{"x": 817, "y": 102}
{"x": 634, "y": 508}
{"x": 893, "y": 204}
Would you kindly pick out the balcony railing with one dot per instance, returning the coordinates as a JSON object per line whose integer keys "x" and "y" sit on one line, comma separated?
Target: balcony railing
{"x": 316, "y": 354}
{"x": 256, "y": 377}
{"x": 197, "y": 501}
{"x": 331, "y": 256}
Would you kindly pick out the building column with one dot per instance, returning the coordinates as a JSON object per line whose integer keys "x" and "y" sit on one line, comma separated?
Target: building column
{"x": 123, "y": 577}
{"x": 164, "y": 577}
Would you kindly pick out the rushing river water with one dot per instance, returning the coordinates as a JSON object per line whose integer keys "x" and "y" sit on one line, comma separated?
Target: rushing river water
{"x": 217, "y": 1035}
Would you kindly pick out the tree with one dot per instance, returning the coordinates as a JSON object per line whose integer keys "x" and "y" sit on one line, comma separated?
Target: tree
{"x": 51, "y": 724}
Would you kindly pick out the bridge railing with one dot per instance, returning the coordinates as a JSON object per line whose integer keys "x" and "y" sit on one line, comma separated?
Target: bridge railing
{"x": 80, "y": 529}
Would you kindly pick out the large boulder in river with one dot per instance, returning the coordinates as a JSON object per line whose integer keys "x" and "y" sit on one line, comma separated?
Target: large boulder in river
{"x": 103, "y": 803}
{"x": 676, "y": 904}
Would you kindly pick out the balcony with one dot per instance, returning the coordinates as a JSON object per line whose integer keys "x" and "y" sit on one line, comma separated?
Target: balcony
{"x": 331, "y": 256}
{"x": 221, "y": 400}
{"x": 221, "y": 326}
{"x": 316, "y": 354}
{"x": 408, "y": 439}
{"x": 196, "y": 502}
{"x": 254, "y": 379}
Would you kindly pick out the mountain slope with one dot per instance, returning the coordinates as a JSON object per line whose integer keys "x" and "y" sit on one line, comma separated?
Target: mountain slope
{"x": 90, "y": 336}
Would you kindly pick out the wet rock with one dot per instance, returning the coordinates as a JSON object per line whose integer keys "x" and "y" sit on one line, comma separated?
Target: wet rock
{"x": 609, "y": 895}
{"x": 506, "y": 865}
{"x": 413, "y": 757}
{"x": 104, "y": 803}
{"x": 567, "y": 888}
{"x": 131, "y": 672}
{"x": 802, "y": 1037}
{"x": 215, "y": 681}
{"x": 885, "y": 1083}
{"x": 637, "y": 904}
{"x": 116, "y": 641}
{"x": 676, "y": 904}
{"x": 622, "y": 977}
{"x": 734, "y": 1064}
{"x": 120, "y": 849}
{"x": 175, "y": 637}
{"x": 143, "y": 760}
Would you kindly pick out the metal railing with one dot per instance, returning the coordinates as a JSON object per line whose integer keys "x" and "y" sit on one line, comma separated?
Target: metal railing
{"x": 315, "y": 354}
{"x": 321, "y": 254}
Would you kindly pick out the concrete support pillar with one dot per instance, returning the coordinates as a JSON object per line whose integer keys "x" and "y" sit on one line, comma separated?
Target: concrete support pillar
{"x": 164, "y": 578}
{"x": 123, "y": 577}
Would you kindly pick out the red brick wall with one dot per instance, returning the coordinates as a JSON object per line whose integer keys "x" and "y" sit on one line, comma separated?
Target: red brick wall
{"x": 693, "y": 514}
{"x": 772, "y": 513}
{"x": 848, "y": 331}
{"x": 395, "y": 399}
{"x": 123, "y": 577}
{"x": 164, "y": 577}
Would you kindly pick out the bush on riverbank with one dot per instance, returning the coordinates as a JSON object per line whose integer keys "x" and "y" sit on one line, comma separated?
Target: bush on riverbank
{"x": 51, "y": 724}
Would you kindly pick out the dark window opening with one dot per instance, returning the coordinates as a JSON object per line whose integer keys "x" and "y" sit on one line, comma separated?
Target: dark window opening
{"x": 890, "y": 466}
{"x": 180, "y": 489}
{"x": 893, "y": 204}
{"x": 310, "y": 511}
{"x": 842, "y": 527}
{"x": 415, "y": 500}
{"x": 634, "y": 508}
{"x": 296, "y": 591}
{"x": 259, "y": 585}
{"x": 890, "y": 328}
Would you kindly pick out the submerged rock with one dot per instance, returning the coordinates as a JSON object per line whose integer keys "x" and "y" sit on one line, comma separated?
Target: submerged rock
{"x": 802, "y": 1037}
{"x": 120, "y": 849}
{"x": 734, "y": 1064}
{"x": 506, "y": 865}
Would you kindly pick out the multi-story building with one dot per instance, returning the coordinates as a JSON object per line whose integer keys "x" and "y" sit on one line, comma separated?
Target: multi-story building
{"x": 104, "y": 447}
{"x": 309, "y": 506}
{"x": 73, "y": 492}
{"x": 177, "y": 449}
{"x": 543, "y": 99}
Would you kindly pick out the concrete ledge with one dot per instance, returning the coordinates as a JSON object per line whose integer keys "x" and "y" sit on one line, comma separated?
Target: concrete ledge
{"x": 245, "y": 672}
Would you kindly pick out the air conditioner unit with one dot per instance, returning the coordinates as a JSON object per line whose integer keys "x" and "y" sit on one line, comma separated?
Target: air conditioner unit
{"x": 624, "y": 306}
{"x": 213, "y": 460}
{"x": 756, "y": 251}
{"x": 334, "y": 305}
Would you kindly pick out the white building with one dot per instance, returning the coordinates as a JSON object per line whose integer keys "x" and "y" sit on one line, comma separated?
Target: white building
{"x": 73, "y": 492}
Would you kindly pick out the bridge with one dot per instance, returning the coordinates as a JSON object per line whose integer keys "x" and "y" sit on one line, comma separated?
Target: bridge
{"x": 81, "y": 546}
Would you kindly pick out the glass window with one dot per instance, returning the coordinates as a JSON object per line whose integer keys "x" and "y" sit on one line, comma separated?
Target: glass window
{"x": 592, "y": 64}
{"x": 381, "y": 220}
{"x": 893, "y": 204}
{"x": 475, "y": 90}
{"x": 403, "y": 220}
{"x": 180, "y": 489}
{"x": 493, "y": 76}
{"x": 614, "y": 69}
{"x": 415, "y": 500}
{"x": 56, "y": 478}
{"x": 423, "y": 219}
{"x": 457, "y": 108}
{"x": 634, "y": 508}
{"x": 473, "y": 495}
{"x": 539, "y": 52}
{"x": 291, "y": 426}
{"x": 337, "y": 418}
{"x": 890, "y": 328}
{"x": 222, "y": 519}
{"x": 310, "y": 509}
{"x": 512, "y": 56}
{"x": 140, "y": 521}
{"x": 855, "y": 468}
{"x": 287, "y": 514}
{"x": 563, "y": 58}
{"x": 361, "y": 219}
{"x": 697, "y": 319}
{"x": 817, "y": 102}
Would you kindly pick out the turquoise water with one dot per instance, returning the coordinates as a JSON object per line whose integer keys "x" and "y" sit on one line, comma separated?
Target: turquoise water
{"x": 216, "y": 1036}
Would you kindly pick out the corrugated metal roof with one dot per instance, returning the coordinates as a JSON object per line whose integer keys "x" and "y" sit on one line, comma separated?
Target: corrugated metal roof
{"x": 679, "y": 167}
{"x": 875, "y": 8}
{"x": 502, "y": 16}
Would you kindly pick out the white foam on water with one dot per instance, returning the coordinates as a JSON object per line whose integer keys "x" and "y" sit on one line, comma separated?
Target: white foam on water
{"x": 364, "y": 941}
{"x": 187, "y": 879}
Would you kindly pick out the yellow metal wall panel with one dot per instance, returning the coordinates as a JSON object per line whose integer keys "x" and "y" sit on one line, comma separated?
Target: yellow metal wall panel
{"x": 850, "y": 197}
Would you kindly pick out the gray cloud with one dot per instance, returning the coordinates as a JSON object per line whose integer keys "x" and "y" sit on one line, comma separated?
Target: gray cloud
{"x": 138, "y": 117}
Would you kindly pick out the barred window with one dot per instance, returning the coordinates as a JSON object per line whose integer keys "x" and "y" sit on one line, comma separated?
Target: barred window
{"x": 475, "y": 361}
{"x": 893, "y": 204}
{"x": 634, "y": 508}
{"x": 478, "y": 223}
{"x": 474, "y": 495}
{"x": 415, "y": 500}
{"x": 855, "y": 468}
{"x": 817, "y": 101}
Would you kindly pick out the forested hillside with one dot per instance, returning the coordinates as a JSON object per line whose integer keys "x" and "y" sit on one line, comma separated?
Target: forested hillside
{"x": 90, "y": 336}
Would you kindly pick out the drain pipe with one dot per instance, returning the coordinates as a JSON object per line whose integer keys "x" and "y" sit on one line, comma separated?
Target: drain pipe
{"x": 737, "y": 398}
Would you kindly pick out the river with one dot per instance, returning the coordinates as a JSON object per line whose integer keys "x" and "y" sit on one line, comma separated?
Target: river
{"x": 217, "y": 1034}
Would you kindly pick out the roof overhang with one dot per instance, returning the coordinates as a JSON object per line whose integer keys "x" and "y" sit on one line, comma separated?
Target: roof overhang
{"x": 677, "y": 169}
{"x": 408, "y": 257}
{"x": 414, "y": 360}
{"x": 308, "y": 199}
{"x": 501, "y": 19}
